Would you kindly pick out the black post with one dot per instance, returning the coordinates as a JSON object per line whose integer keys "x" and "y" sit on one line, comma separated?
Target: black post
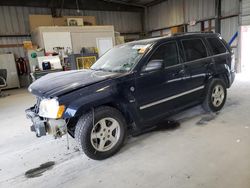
{"x": 217, "y": 16}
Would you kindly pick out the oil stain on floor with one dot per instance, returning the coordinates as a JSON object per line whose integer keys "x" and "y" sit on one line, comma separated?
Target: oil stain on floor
{"x": 36, "y": 172}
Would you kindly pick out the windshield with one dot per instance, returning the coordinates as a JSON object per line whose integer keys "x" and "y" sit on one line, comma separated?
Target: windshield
{"x": 120, "y": 58}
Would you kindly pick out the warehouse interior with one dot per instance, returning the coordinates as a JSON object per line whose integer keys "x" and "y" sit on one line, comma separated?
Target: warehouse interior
{"x": 199, "y": 150}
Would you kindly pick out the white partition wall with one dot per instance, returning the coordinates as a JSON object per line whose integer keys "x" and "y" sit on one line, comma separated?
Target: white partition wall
{"x": 75, "y": 37}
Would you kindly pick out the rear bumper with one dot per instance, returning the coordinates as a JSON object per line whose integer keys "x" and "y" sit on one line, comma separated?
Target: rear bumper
{"x": 231, "y": 78}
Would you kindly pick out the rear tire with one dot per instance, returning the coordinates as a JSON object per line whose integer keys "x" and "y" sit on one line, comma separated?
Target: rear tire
{"x": 216, "y": 95}
{"x": 104, "y": 137}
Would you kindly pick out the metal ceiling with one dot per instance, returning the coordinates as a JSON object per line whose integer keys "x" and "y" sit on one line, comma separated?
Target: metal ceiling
{"x": 137, "y": 2}
{"x": 105, "y": 5}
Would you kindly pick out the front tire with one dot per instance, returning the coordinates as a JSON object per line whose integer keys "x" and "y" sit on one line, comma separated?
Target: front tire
{"x": 216, "y": 95}
{"x": 104, "y": 137}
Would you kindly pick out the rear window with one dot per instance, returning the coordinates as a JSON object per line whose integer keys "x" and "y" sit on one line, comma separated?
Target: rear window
{"x": 216, "y": 46}
{"x": 194, "y": 49}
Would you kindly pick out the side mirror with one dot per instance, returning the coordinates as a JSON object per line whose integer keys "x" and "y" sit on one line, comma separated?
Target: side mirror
{"x": 153, "y": 65}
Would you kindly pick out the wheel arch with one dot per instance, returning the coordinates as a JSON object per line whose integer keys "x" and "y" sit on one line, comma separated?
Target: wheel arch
{"x": 81, "y": 111}
{"x": 223, "y": 77}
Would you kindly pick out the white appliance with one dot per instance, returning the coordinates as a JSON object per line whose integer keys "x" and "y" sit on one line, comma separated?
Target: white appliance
{"x": 54, "y": 62}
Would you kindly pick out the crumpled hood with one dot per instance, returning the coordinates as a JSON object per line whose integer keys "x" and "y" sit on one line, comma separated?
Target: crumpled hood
{"x": 55, "y": 84}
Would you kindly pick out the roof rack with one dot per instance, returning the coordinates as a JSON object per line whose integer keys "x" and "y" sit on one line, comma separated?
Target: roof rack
{"x": 194, "y": 32}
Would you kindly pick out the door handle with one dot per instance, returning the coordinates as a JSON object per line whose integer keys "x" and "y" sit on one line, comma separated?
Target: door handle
{"x": 180, "y": 72}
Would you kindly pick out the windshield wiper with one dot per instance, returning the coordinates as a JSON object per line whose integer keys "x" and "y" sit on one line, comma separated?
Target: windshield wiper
{"x": 102, "y": 69}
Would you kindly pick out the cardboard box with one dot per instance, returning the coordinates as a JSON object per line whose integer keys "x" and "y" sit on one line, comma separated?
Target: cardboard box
{"x": 40, "y": 20}
{"x": 27, "y": 45}
{"x": 178, "y": 29}
{"x": 48, "y": 20}
{"x": 59, "y": 21}
{"x": 87, "y": 20}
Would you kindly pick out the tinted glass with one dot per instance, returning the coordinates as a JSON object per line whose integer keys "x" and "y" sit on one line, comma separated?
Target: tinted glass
{"x": 168, "y": 53}
{"x": 216, "y": 46}
{"x": 194, "y": 49}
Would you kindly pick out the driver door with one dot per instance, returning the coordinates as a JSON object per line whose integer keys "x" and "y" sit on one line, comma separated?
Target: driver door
{"x": 157, "y": 91}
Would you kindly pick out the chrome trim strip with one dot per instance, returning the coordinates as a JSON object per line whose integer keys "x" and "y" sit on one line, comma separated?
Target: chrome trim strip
{"x": 171, "y": 98}
{"x": 198, "y": 75}
{"x": 174, "y": 80}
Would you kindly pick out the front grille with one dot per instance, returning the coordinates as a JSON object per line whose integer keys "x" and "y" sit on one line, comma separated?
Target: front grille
{"x": 37, "y": 105}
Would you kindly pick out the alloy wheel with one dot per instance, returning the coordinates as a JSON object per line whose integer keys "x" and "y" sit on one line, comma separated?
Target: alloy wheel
{"x": 105, "y": 134}
{"x": 218, "y": 95}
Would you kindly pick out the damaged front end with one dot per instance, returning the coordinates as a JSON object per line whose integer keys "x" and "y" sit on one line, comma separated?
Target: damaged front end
{"x": 45, "y": 125}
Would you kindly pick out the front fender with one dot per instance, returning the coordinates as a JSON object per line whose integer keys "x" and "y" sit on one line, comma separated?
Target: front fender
{"x": 84, "y": 102}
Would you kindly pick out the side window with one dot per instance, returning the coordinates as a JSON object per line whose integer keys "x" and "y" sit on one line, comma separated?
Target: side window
{"x": 168, "y": 53}
{"x": 194, "y": 49}
{"x": 216, "y": 46}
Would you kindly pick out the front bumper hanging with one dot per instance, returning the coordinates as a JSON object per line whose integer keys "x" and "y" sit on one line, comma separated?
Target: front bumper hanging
{"x": 39, "y": 125}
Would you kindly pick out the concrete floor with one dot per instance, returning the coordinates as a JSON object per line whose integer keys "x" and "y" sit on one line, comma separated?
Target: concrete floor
{"x": 210, "y": 151}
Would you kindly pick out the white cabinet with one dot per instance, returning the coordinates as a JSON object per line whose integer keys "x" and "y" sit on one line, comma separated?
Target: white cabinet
{"x": 7, "y": 61}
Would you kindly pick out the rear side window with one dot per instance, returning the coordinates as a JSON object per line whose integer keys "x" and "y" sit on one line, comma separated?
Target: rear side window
{"x": 216, "y": 46}
{"x": 194, "y": 49}
{"x": 168, "y": 53}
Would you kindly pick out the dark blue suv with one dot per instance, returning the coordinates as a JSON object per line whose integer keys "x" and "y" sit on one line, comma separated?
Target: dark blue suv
{"x": 133, "y": 86}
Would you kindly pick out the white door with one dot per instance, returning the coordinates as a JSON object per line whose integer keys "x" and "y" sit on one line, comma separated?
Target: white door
{"x": 104, "y": 44}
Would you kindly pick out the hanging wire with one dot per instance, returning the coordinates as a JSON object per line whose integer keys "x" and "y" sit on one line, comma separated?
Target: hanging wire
{"x": 77, "y": 6}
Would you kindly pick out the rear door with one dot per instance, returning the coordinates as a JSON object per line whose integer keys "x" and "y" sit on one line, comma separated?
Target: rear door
{"x": 157, "y": 92}
{"x": 221, "y": 55}
{"x": 196, "y": 61}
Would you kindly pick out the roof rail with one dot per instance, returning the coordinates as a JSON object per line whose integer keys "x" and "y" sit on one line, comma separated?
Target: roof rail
{"x": 194, "y": 32}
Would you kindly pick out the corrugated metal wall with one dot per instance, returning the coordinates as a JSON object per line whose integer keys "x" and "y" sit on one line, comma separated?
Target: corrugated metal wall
{"x": 194, "y": 28}
{"x": 166, "y": 14}
{"x": 245, "y": 12}
{"x": 169, "y": 13}
{"x": 124, "y": 22}
{"x": 18, "y": 51}
{"x": 229, "y": 7}
{"x": 172, "y": 12}
{"x": 230, "y": 26}
{"x": 199, "y": 10}
{"x": 15, "y": 20}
